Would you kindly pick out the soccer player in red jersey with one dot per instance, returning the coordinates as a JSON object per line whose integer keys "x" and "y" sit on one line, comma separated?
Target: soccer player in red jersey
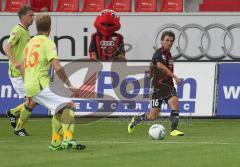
{"x": 162, "y": 76}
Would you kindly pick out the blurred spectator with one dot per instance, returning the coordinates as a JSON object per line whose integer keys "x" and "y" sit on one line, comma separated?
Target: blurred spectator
{"x": 41, "y": 5}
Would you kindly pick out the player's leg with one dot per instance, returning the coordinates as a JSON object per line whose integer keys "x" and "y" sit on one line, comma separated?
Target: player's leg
{"x": 152, "y": 114}
{"x": 15, "y": 113}
{"x": 174, "y": 116}
{"x": 25, "y": 113}
{"x": 56, "y": 133}
{"x": 67, "y": 120}
{"x": 63, "y": 110}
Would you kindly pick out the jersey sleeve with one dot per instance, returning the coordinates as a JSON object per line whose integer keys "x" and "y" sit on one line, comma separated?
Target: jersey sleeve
{"x": 51, "y": 51}
{"x": 14, "y": 36}
{"x": 159, "y": 57}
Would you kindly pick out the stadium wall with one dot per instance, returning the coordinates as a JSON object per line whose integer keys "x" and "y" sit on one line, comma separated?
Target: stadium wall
{"x": 198, "y": 37}
{"x": 197, "y": 93}
{"x": 202, "y": 41}
{"x": 120, "y": 95}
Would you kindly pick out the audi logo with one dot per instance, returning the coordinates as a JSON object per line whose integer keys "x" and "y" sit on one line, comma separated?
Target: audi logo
{"x": 203, "y": 42}
{"x": 107, "y": 43}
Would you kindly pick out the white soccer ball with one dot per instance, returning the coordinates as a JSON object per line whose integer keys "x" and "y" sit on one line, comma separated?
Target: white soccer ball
{"x": 157, "y": 132}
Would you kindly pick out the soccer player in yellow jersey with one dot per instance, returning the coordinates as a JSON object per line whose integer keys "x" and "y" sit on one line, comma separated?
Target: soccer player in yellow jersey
{"x": 40, "y": 54}
{"x": 19, "y": 38}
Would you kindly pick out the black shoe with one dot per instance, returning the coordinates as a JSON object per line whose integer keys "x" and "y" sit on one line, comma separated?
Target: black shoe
{"x": 21, "y": 132}
{"x": 12, "y": 119}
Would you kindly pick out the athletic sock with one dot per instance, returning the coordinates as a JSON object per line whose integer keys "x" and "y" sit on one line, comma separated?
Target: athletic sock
{"x": 143, "y": 117}
{"x": 56, "y": 132}
{"x": 16, "y": 111}
{"x": 174, "y": 117}
{"x": 68, "y": 123}
{"x": 24, "y": 115}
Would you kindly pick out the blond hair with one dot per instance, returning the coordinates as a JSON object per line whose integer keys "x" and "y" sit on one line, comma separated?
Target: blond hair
{"x": 43, "y": 23}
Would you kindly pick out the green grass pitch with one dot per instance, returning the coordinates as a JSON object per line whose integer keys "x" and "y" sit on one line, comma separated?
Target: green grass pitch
{"x": 207, "y": 142}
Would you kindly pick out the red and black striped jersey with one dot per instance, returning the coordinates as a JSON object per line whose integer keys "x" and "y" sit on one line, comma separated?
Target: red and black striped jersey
{"x": 165, "y": 57}
{"x": 106, "y": 48}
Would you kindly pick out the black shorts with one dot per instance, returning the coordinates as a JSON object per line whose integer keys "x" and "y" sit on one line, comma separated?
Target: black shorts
{"x": 159, "y": 95}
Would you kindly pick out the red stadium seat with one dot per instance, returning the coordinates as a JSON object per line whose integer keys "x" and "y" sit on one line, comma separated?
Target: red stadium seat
{"x": 93, "y": 5}
{"x": 220, "y": 6}
{"x": 38, "y": 4}
{"x": 171, "y": 6}
{"x": 120, "y": 5}
{"x": 14, "y": 5}
{"x": 145, "y": 5}
{"x": 68, "y": 6}
{"x": 0, "y": 5}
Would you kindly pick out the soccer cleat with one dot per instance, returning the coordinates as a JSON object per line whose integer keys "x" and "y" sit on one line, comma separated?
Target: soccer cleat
{"x": 132, "y": 124}
{"x": 21, "y": 132}
{"x": 176, "y": 133}
{"x": 72, "y": 144}
{"x": 12, "y": 119}
{"x": 55, "y": 148}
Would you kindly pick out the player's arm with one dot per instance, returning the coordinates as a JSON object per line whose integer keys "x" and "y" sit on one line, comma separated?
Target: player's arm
{"x": 12, "y": 41}
{"x": 51, "y": 55}
{"x": 60, "y": 72}
{"x": 9, "y": 53}
{"x": 150, "y": 72}
{"x": 63, "y": 76}
{"x": 163, "y": 68}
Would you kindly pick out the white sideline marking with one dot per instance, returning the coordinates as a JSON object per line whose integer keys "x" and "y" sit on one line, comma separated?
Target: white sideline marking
{"x": 160, "y": 142}
{"x": 128, "y": 142}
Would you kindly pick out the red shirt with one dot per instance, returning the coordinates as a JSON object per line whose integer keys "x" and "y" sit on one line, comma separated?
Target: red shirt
{"x": 39, "y": 4}
{"x": 106, "y": 48}
{"x": 165, "y": 57}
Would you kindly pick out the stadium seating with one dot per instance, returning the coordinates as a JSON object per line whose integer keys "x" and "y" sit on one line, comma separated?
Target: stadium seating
{"x": 120, "y": 5}
{"x": 171, "y": 6}
{"x": 93, "y": 5}
{"x": 220, "y": 6}
{"x": 36, "y": 6}
{"x": 145, "y": 5}
{"x": 14, "y": 5}
{"x": 67, "y": 6}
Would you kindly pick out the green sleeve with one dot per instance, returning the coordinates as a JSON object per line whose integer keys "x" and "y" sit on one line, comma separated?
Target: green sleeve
{"x": 14, "y": 36}
{"x": 51, "y": 51}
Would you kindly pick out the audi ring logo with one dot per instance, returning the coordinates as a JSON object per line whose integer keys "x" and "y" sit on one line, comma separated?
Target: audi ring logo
{"x": 107, "y": 43}
{"x": 205, "y": 41}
